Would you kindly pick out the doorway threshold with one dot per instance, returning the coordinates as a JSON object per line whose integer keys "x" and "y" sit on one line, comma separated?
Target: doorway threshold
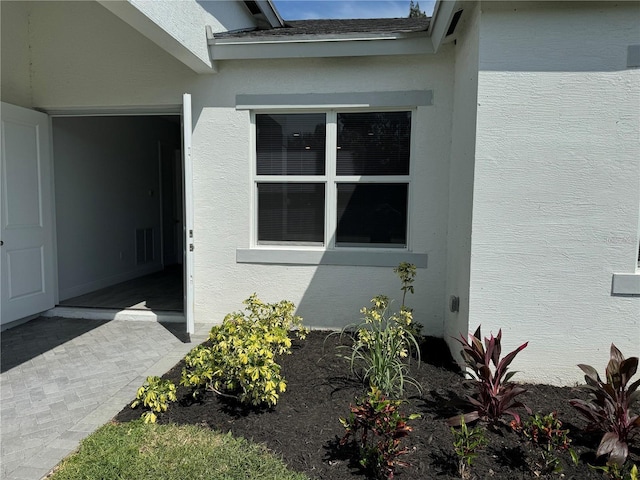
{"x": 115, "y": 314}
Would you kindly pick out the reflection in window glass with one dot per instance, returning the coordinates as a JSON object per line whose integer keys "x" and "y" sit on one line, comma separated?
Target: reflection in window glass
{"x": 291, "y": 212}
{"x": 372, "y": 214}
{"x": 374, "y": 143}
{"x": 290, "y": 144}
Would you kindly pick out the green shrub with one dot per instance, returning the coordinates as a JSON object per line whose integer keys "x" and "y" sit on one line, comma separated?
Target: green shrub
{"x": 377, "y": 427}
{"x": 241, "y": 358}
{"x": 155, "y": 394}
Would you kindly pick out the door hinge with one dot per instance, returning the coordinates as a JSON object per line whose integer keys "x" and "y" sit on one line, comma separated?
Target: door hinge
{"x": 191, "y": 247}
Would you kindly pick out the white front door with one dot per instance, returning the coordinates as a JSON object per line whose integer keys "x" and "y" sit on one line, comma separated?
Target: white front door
{"x": 187, "y": 173}
{"x": 27, "y": 276}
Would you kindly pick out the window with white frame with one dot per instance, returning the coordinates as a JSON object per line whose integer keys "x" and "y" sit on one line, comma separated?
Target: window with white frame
{"x": 333, "y": 178}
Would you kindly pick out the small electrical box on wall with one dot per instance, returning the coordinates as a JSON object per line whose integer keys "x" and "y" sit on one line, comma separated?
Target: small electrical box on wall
{"x": 454, "y": 303}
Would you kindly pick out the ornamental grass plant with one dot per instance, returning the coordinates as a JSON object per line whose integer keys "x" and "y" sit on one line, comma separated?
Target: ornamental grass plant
{"x": 384, "y": 342}
{"x": 383, "y": 347}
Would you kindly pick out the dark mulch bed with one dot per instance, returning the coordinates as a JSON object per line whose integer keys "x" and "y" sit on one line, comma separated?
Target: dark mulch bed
{"x": 304, "y": 428}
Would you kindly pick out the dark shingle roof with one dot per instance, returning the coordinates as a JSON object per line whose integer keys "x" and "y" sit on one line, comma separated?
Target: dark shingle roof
{"x": 336, "y": 27}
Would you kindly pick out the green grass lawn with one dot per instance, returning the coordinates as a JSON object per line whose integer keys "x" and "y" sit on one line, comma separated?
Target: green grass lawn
{"x": 149, "y": 451}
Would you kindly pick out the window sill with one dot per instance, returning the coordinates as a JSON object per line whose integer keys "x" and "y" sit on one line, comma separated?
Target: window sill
{"x": 627, "y": 284}
{"x": 353, "y": 258}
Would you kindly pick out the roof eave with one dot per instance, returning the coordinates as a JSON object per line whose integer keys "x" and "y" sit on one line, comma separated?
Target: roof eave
{"x": 353, "y": 45}
{"x": 270, "y": 13}
{"x": 443, "y": 13}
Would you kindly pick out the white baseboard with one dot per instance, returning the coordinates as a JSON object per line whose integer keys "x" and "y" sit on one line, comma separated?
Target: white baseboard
{"x": 78, "y": 290}
{"x": 112, "y": 314}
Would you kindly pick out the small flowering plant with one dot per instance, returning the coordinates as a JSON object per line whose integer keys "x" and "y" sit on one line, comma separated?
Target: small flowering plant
{"x": 377, "y": 426}
{"x": 546, "y": 433}
{"x": 383, "y": 346}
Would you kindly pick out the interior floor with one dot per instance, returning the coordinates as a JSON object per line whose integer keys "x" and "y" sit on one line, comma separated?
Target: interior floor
{"x": 157, "y": 291}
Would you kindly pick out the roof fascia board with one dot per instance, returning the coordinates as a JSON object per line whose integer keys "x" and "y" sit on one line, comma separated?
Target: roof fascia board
{"x": 336, "y": 47}
{"x": 442, "y": 15}
{"x": 314, "y": 38}
{"x": 134, "y": 17}
{"x": 270, "y": 12}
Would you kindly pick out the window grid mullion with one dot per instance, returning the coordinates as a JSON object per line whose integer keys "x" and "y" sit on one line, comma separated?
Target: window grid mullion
{"x": 254, "y": 190}
{"x": 331, "y": 196}
{"x": 372, "y": 179}
{"x": 290, "y": 179}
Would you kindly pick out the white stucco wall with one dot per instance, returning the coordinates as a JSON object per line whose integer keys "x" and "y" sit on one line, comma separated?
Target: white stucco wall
{"x": 553, "y": 167}
{"x": 328, "y": 296}
{"x": 461, "y": 176}
{"x": 556, "y": 191}
{"x": 107, "y": 185}
{"x": 86, "y": 57}
{"x": 14, "y": 51}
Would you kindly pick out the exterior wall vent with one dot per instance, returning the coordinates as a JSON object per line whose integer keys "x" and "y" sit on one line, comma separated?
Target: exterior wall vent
{"x": 454, "y": 22}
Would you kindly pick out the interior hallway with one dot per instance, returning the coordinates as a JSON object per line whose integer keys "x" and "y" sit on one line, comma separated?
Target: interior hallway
{"x": 160, "y": 291}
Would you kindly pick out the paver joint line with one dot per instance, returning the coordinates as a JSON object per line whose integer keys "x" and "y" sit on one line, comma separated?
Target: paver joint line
{"x": 72, "y": 376}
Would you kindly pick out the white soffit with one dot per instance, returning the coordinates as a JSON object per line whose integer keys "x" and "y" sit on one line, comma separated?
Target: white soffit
{"x": 137, "y": 19}
{"x": 270, "y": 12}
{"x": 443, "y": 13}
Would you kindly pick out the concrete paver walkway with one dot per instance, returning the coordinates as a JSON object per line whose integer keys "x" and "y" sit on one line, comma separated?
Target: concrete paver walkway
{"x": 63, "y": 378}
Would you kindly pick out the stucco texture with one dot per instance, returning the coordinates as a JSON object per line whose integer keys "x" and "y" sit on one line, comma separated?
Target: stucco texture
{"x": 557, "y": 174}
{"x": 327, "y": 296}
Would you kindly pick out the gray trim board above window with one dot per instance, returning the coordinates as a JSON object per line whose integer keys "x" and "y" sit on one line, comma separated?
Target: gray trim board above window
{"x": 399, "y": 99}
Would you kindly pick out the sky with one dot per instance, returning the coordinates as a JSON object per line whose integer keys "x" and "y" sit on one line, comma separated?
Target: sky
{"x": 314, "y": 9}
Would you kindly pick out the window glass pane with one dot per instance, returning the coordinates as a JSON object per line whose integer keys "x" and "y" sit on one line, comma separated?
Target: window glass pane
{"x": 374, "y": 143}
{"x": 291, "y": 212}
{"x": 290, "y": 144}
{"x": 372, "y": 213}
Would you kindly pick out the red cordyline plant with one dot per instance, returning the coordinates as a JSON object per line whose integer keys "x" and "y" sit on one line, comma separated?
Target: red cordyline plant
{"x": 377, "y": 427}
{"x": 495, "y": 394}
{"x": 608, "y": 408}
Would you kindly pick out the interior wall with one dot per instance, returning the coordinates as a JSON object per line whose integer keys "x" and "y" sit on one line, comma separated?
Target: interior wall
{"x": 107, "y": 185}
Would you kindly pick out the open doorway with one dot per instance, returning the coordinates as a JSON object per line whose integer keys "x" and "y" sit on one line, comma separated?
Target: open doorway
{"x": 119, "y": 211}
